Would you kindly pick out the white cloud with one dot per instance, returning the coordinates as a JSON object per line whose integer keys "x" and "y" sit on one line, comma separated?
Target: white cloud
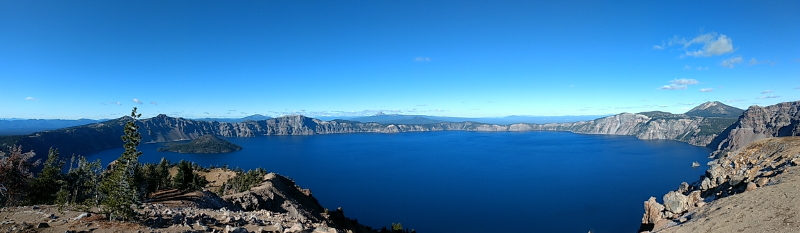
{"x": 673, "y": 87}
{"x": 153, "y": 103}
{"x": 117, "y": 103}
{"x": 137, "y": 101}
{"x": 729, "y": 63}
{"x": 422, "y": 59}
{"x": 658, "y": 47}
{"x": 767, "y": 91}
{"x": 768, "y": 97}
{"x": 31, "y": 99}
{"x": 707, "y": 90}
{"x": 713, "y": 45}
{"x": 702, "y": 68}
{"x": 684, "y": 81}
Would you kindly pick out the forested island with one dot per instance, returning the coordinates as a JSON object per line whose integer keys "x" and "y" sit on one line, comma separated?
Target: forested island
{"x": 207, "y": 144}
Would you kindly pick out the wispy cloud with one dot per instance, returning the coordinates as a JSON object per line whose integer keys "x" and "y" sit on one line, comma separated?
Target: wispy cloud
{"x": 768, "y": 97}
{"x": 753, "y": 61}
{"x": 734, "y": 100}
{"x": 797, "y": 88}
{"x": 153, "y": 103}
{"x": 31, "y": 98}
{"x": 688, "y": 67}
{"x": 658, "y": 47}
{"x": 707, "y": 90}
{"x": 679, "y": 84}
{"x": 422, "y": 59}
{"x": 117, "y": 103}
{"x": 684, "y": 81}
{"x": 137, "y": 101}
{"x": 730, "y": 62}
{"x": 673, "y": 87}
{"x": 767, "y": 91}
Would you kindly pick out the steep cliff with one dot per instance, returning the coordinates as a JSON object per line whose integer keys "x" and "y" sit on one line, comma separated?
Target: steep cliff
{"x": 750, "y": 154}
{"x": 699, "y": 131}
{"x": 756, "y": 123}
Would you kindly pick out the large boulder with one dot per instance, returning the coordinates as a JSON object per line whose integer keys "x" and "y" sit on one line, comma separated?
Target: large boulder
{"x": 676, "y": 202}
{"x": 653, "y": 211}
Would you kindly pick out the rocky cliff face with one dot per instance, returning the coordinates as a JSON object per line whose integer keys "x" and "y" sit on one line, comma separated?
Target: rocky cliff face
{"x": 750, "y": 153}
{"x": 756, "y": 123}
{"x": 697, "y": 131}
{"x": 746, "y": 169}
{"x": 94, "y": 137}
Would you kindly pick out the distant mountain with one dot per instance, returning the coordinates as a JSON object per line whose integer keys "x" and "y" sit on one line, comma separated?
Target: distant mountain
{"x": 105, "y": 135}
{"x": 256, "y": 117}
{"x": 423, "y": 119}
{"x": 715, "y": 109}
{"x": 397, "y": 119}
{"x": 26, "y": 126}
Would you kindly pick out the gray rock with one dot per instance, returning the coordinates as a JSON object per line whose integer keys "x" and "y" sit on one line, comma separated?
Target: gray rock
{"x": 751, "y": 186}
{"x": 653, "y": 211}
{"x": 83, "y": 215}
{"x": 684, "y": 187}
{"x": 230, "y": 229}
{"x": 42, "y": 225}
{"x": 676, "y": 202}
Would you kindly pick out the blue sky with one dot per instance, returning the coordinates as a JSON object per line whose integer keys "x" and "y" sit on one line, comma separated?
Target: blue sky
{"x": 98, "y": 59}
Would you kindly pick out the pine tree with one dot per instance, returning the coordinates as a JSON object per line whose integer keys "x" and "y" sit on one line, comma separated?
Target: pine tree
{"x": 50, "y": 180}
{"x": 120, "y": 190}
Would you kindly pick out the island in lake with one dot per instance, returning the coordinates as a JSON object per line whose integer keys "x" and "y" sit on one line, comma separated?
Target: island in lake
{"x": 205, "y": 144}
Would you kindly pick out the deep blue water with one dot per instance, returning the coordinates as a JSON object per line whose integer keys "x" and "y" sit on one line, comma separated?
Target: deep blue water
{"x": 459, "y": 181}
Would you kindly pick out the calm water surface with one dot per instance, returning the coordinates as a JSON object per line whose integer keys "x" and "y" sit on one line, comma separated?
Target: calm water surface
{"x": 470, "y": 181}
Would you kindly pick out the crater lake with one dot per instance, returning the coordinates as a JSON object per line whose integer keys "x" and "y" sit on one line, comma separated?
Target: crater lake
{"x": 457, "y": 181}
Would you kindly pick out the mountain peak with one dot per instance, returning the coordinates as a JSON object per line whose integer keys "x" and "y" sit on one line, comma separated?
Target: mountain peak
{"x": 715, "y": 109}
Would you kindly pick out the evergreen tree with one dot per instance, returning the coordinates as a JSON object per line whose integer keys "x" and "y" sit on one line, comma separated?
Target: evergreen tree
{"x": 82, "y": 182}
{"x": 50, "y": 180}
{"x": 15, "y": 175}
{"x": 119, "y": 188}
{"x": 186, "y": 179}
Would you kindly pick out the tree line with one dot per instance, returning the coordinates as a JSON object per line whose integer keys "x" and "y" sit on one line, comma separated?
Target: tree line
{"x": 117, "y": 189}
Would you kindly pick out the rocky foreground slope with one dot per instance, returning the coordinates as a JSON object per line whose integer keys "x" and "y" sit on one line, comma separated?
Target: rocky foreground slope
{"x": 694, "y": 130}
{"x": 277, "y": 205}
{"x": 757, "y": 151}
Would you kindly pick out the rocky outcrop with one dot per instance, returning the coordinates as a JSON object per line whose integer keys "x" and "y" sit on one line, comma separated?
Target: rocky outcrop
{"x": 756, "y": 123}
{"x": 746, "y": 169}
{"x": 279, "y": 194}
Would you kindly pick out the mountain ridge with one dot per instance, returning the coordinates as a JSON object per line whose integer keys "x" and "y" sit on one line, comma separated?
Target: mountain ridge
{"x": 104, "y": 135}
